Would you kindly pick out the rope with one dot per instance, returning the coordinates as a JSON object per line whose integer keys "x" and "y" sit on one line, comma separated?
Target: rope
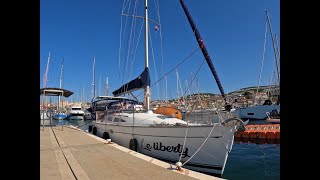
{"x": 209, "y": 154}
{"x": 190, "y": 112}
{"x": 184, "y": 142}
{"x": 231, "y": 131}
{"x": 200, "y": 146}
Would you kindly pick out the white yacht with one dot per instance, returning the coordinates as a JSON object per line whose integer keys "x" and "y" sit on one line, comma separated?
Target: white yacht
{"x": 76, "y": 113}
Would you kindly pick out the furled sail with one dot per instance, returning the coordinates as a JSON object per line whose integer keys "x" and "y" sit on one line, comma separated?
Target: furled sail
{"x": 141, "y": 81}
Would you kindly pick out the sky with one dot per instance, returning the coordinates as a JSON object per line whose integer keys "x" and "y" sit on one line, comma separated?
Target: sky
{"x": 80, "y": 31}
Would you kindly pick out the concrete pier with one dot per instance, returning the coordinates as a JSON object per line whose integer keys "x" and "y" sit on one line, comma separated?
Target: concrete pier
{"x": 70, "y": 153}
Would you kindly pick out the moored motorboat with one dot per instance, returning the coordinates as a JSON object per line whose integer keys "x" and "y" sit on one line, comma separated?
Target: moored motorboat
{"x": 76, "y": 113}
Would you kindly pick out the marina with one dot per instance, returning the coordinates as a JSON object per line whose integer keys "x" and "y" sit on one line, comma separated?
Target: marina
{"x": 160, "y": 108}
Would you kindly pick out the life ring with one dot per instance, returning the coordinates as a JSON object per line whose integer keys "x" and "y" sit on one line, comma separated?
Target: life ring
{"x": 90, "y": 128}
{"x": 94, "y": 131}
{"x": 105, "y": 135}
{"x": 133, "y": 144}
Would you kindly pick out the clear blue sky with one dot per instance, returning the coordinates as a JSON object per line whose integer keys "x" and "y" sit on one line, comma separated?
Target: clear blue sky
{"x": 232, "y": 30}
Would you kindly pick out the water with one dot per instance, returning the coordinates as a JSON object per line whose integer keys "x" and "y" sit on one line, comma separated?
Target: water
{"x": 253, "y": 161}
{"x": 246, "y": 161}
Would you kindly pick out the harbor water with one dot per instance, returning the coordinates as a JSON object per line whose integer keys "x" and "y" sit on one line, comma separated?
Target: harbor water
{"x": 246, "y": 161}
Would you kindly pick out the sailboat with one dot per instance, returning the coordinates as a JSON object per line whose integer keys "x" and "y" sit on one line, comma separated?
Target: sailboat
{"x": 60, "y": 115}
{"x": 45, "y": 113}
{"x": 132, "y": 124}
{"x": 89, "y": 114}
{"x": 261, "y": 112}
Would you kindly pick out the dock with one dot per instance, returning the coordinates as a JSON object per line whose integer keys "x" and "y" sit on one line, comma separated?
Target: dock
{"x": 67, "y": 152}
{"x": 259, "y": 134}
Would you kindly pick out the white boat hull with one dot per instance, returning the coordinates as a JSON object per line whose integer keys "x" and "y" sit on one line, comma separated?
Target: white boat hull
{"x": 166, "y": 143}
{"x": 254, "y": 112}
{"x": 76, "y": 113}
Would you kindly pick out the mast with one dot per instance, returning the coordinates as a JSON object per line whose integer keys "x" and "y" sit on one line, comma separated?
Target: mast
{"x": 99, "y": 84}
{"x": 60, "y": 85}
{"x": 203, "y": 48}
{"x": 273, "y": 45}
{"x": 46, "y": 73}
{"x": 44, "y": 83}
{"x": 275, "y": 54}
{"x": 107, "y": 87}
{"x": 182, "y": 94}
{"x": 177, "y": 84}
{"x": 93, "y": 78}
{"x": 147, "y": 88}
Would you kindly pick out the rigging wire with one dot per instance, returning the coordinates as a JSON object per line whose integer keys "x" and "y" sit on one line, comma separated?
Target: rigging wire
{"x": 179, "y": 83}
{"x": 133, "y": 49}
{"x": 161, "y": 45}
{"x": 278, "y": 51}
{"x": 198, "y": 89}
{"x": 125, "y": 27}
{"x": 263, "y": 54}
{"x": 134, "y": 55}
{"x": 174, "y": 67}
{"x": 125, "y": 65}
{"x": 120, "y": 41}
{"x": 273, "y": 44}
{"x": 130, "y": 46}
{"x": 191, "y": 110}
{"x": 154, "y": 63}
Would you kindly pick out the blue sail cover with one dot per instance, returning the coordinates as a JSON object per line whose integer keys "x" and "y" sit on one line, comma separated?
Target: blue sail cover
{"x": 141, "y": 81}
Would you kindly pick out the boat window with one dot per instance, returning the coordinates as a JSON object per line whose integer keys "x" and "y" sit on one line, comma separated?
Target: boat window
{"x": 76, "y": 108}
{"x": 114, "y": 107}
{"x": 250, "y": 113}
{"x": 118, "y": 120}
